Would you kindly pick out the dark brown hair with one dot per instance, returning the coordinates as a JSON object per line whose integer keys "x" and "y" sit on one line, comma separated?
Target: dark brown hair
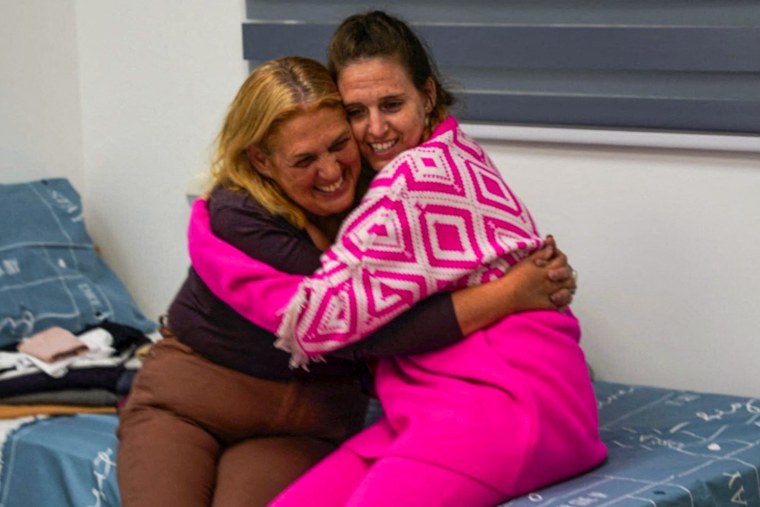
{"x": 378, "y": 34}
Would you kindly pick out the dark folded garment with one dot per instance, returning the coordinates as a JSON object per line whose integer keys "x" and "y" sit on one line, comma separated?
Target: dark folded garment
{"x": 83, "y": 397}
{"x": 123, "y": 336}
{"x": 100, "y": 377}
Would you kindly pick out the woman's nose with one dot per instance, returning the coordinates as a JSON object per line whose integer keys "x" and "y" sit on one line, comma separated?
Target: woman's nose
{"x": 330, "y": 169}
{"x": 377, "y": 125}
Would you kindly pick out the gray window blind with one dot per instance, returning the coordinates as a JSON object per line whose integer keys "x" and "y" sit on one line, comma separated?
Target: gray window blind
{"x": 683, "y": 65}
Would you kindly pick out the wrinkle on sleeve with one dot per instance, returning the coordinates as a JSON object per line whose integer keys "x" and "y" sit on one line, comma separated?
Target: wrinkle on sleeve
{"x": 252, "y": 288}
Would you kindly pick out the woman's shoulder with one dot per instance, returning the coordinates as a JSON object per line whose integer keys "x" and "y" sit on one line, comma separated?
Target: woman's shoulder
{"x": 224, "y": 200}
{"x": 449, "y": 136}
{"x": 440, "y": 141}
{"x": 230, "y": 210}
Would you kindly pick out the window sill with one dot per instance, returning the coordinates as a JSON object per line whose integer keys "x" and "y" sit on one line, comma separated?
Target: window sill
{"x": 621, "y": 138}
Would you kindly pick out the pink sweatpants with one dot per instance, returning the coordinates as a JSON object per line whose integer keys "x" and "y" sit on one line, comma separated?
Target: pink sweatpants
{"x": 400, "y": 482}
{"x": 504, "y": 412}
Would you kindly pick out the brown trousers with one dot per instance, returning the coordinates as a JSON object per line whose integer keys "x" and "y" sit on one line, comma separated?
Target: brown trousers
{"x": 194, "y": 433}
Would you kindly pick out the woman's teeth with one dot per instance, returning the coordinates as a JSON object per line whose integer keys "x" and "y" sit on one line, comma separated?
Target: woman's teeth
{"x": 331, "y": 188}
{"x": 376, "y": 147}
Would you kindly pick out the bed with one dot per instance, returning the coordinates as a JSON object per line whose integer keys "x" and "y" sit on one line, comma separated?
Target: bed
{"x": 667, "y": 447}
{"x": 51, "y": 277}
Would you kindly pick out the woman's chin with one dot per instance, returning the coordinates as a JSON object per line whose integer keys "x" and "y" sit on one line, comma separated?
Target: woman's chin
{"x": 378, "y": 163}
{"x": 333, "y": 204}
{"x": 379, "y": 160}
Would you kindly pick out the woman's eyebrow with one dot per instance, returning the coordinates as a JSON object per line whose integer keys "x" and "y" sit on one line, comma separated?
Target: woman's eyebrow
{"x": 399, "y": 95}
{"x": 340, "y": 136}
{"x": 346, "y": 134}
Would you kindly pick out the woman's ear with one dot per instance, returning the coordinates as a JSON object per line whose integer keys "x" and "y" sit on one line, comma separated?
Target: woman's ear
{"x": 259, "y": 161}
{"x": 430, "y": 93}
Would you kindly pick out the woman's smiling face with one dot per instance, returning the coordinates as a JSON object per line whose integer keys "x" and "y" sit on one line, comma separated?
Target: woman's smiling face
{"x": 314, "y": 160}
{"x": 386, "y": 111}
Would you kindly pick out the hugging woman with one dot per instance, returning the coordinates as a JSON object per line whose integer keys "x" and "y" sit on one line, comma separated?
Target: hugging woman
{"x": 216, "y": 416}
{"x": 505, "y": 411}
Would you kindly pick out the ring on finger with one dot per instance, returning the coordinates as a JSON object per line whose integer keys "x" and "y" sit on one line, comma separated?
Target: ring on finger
{"x": 575, "y": 280}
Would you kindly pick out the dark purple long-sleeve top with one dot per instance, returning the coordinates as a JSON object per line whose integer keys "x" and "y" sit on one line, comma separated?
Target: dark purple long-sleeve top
{"x": 209, "y": 326}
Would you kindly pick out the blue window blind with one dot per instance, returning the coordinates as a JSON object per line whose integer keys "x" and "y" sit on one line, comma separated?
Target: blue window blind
{"x": 683, "y": 65}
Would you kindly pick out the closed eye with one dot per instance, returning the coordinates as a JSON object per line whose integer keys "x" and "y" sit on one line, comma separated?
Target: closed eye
{"x": 339, "y": 145}
{"x": 304, "y": 162}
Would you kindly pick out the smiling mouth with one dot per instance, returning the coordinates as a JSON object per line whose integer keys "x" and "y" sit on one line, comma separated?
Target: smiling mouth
{"x": 332, "y": 188}
{"x": 382, "y": 147}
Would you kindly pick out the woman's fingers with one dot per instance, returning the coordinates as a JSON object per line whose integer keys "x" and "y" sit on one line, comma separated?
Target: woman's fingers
{"x": 562, "y": 298}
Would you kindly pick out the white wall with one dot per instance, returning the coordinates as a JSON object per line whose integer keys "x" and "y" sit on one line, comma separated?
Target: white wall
{"x": 666, "y": 244}
{"x": 156, "y": 80}
{"x": 40, "y": 110}
{"x": 125, "y": 97}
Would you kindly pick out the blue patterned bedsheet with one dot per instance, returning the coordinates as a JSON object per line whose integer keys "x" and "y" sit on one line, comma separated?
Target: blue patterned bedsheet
{"x": 60, "y": 461}
{"x": 667, "y": 448}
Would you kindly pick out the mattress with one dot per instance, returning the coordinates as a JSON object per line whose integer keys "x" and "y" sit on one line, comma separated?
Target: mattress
{"x": 59, "y": 461}
{"x": 667, "y": 448}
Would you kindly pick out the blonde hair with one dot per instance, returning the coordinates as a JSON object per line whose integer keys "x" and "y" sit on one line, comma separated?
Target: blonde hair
{"x": 273, "y": 93}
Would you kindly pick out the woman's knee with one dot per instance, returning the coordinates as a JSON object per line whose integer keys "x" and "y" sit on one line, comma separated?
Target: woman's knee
{"x": 253, "y": 472}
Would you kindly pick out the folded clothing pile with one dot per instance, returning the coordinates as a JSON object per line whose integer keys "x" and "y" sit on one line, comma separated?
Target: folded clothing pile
{"x": 69, "y": 329}
{"x": 59, "y": 372}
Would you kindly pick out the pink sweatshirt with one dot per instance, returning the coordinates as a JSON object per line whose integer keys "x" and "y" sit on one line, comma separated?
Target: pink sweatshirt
{"x": 511, "y": 405}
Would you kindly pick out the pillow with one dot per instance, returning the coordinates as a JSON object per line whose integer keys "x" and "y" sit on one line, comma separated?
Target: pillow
{"x": 50, "y": 274}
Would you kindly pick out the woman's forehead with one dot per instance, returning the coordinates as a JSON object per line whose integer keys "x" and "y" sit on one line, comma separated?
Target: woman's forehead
{"x": 377, "y": 77}
{"x": 309, "y": 129}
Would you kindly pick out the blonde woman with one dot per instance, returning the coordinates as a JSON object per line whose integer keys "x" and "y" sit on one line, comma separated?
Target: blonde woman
{"x": 216, "y": 416}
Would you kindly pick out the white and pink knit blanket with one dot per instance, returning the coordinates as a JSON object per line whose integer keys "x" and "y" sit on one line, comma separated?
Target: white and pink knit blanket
{"x": 438, "y": 217}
